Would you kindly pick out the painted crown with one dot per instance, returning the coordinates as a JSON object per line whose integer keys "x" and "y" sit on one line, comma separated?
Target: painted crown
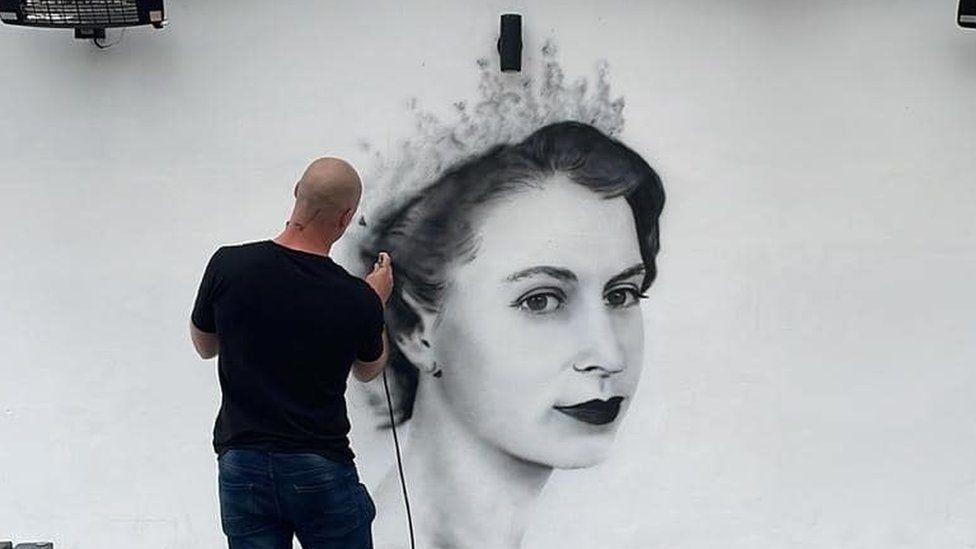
{"x": 508, "y": 109}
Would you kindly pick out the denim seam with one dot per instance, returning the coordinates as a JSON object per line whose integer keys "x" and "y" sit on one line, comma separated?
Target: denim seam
{"x": 274, "y": 485}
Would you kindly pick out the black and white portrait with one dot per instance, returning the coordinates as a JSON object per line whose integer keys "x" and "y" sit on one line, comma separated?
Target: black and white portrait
{"x": 516, "y": 318}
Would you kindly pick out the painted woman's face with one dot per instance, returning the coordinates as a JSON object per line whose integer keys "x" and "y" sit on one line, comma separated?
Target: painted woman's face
{"x": 540, "y": 337}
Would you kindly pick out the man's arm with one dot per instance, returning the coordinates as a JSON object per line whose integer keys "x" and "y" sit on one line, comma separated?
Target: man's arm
{"x": 367, "y": 371}
{"x": 203, "y": 326}
{"x": 205, "y": 343}
{"x": 380, "y": 279}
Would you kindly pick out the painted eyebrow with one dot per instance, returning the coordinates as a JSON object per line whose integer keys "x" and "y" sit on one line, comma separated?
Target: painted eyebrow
{"x": 627, "y": 273}
{"x": 554, "y": 272}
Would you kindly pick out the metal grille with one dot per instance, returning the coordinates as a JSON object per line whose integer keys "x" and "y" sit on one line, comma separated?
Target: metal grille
{"x": 96, "y": 13}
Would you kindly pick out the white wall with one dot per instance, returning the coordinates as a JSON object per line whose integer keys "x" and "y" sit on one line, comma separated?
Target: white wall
{"x": 811, "y": 373}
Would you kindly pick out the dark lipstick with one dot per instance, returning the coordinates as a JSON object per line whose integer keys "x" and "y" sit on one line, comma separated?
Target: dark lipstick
{"x": 596, "y": 412}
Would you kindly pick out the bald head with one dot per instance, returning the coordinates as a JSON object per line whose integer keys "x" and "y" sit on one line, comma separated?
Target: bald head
{"x": 326, "y": 199}
{"x": 329, "y": 183}
{"x": 326, "y": 196}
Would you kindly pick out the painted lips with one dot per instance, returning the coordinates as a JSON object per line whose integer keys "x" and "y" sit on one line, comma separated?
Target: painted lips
{"x": 596, "y": 412}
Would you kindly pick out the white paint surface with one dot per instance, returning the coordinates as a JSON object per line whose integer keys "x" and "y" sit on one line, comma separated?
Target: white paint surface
{"x": 810, "y": 372}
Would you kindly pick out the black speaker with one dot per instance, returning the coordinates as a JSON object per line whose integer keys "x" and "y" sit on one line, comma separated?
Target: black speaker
{"x": 967, "y": 14}
{"x": 510, "y": 42}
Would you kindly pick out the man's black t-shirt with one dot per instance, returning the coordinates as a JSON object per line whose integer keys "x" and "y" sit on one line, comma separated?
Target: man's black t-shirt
{"x": 290, "y": 324}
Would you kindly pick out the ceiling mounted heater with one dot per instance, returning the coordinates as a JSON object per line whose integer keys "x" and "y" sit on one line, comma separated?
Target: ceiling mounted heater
{"x": 88, "y": 18}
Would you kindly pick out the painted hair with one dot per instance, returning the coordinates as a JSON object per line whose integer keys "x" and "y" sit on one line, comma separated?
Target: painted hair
{"x": 436, "y": 229}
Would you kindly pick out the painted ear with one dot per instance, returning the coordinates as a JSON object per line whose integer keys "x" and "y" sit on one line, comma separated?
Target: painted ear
{"x": 415, "y": 344}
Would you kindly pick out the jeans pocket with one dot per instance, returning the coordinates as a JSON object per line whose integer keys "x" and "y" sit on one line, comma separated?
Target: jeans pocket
{"x": 238, "y": 490}
{"x": 325, "y": 507}
{"x": 237, "y": 507}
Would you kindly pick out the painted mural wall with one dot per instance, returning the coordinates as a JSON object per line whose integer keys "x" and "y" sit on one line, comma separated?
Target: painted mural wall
{"x": 698, "y": 277}
{"x": 525, "y": 238}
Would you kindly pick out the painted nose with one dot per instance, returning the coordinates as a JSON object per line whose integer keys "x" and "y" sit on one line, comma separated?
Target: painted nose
{"x": 602, "y": 354}
{"x": 600, "y": 370}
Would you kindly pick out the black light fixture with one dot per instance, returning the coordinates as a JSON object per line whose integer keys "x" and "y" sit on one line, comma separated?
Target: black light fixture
{"x": 88, "y": 18}
{"x": 967, "y": 14}
{"x": 510, "y": 42}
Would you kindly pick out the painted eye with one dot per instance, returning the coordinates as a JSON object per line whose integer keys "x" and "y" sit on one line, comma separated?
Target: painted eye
{"x": 622, "y": 297}
{"x": 540, "y": 303}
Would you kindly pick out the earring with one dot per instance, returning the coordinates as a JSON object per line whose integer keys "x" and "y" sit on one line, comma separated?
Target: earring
{"x": 437, "y": 371}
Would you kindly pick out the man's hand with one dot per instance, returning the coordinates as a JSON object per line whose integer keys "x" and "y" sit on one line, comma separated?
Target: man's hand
{"x": 381, "y": 277}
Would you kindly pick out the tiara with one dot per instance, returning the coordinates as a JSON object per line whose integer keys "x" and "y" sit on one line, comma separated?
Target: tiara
{"x": 509, "y": 107}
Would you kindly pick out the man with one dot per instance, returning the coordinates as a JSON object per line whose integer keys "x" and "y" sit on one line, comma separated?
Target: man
{"x": 289, "y": 324}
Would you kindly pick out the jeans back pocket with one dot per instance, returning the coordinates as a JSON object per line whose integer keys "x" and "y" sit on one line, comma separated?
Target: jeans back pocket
{"x": 325, "y": 505}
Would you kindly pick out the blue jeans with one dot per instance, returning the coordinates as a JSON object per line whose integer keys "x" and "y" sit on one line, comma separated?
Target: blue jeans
{"x": 267, "y": 498}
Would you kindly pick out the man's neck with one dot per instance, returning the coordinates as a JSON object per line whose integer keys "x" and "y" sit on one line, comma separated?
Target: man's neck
{"x": 298, "y": 238}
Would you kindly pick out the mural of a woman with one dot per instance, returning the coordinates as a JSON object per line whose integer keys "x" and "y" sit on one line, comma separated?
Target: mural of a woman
{"x": 516, "y": 321}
